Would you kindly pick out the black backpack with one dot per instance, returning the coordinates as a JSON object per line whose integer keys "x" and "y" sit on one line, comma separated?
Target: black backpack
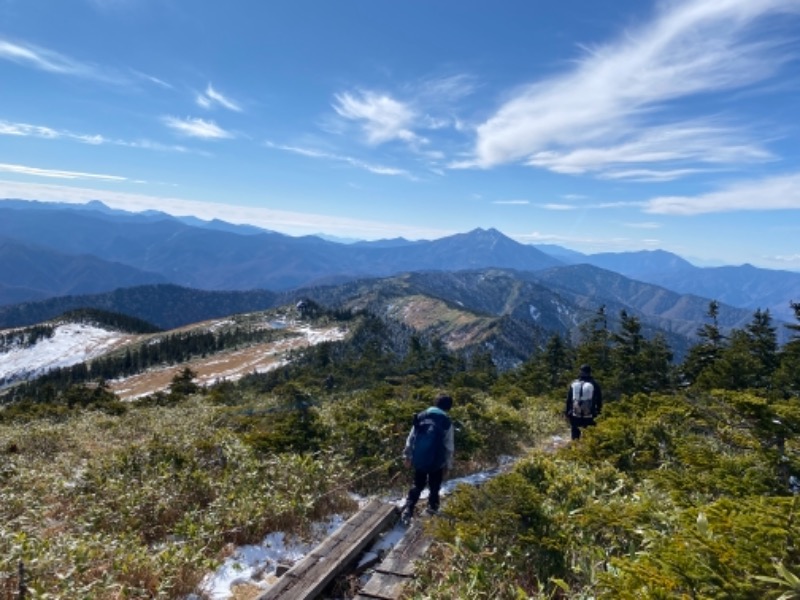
{"x": 429, "y": 452}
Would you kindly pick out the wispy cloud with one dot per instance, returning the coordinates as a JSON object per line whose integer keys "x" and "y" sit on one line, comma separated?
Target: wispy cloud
{"x": 556, "y": 206}
{"x": 354, "y": 162}
{"x": 211, "y": 98}
{"x": 199, "y": 128}
{"x": 429, "y": 104}
{"x": 43, "y": 132}
{"x": 615, "y": 106}
{"x": 30, "y": 55}
{"x": 586, "y": 244}
{"x": 512, "y": 202}
{"x": 652, "y": 175}
{"x": 382, "y": 118}
{"x": 56, "y": 173}
{"x": 689, "y": 143}
{"x": 152, "y": 79}
{"x": 771, "y": 193}
{"x": 643, "y": 225}
{"x": 443, "y": 90}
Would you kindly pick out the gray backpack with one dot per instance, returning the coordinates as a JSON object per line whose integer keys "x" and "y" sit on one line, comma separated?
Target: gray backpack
{"x": 582, "y": 394}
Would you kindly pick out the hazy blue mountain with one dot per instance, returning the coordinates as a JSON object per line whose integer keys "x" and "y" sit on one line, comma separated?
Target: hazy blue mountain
{"x": 387, "y": 243}
{"x": 570, "y": 257}
{"x": 29, "y": 272}
{"x": 644, "y": 263}
{"x": 745, "y": 286}
{"x": 223, "y": 260}
{"x": 587, "y": 285}
{"x": 219, "y": 256}
{"x": 166, "y": 306}
{"x": 99, "y": 209}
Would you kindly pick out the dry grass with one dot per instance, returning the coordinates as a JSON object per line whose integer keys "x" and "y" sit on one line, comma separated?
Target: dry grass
{"x": 230, "y": 365}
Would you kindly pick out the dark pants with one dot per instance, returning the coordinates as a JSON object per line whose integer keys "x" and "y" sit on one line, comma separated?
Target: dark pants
{"x": 433, "y": 479}
{"x": 578, "y": 423}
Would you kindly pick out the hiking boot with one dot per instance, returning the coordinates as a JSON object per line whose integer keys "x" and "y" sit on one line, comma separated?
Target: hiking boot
{"x": 431, "y": 511}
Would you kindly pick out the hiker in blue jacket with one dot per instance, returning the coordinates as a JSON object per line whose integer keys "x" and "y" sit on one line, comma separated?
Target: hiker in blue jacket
{"x": 584, "y": 401}
{"x": 429, "y": 448}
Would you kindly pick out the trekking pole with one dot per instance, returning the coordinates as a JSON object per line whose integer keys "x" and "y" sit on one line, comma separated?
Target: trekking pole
{"x": 22, "y": 587}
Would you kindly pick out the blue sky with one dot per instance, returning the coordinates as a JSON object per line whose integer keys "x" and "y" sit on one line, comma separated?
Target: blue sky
{"x": 598, "y": 126}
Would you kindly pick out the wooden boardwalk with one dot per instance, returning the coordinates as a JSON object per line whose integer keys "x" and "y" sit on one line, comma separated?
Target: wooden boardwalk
{"x": 397, "y": 569}
{"x": 309, "y": 577}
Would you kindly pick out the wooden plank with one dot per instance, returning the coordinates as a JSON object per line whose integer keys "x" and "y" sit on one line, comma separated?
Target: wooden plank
{"x": 308, "y": 578}
{"x": 413, "y": 545}
{"x": 383, "y": 586}
{"x": 398, "y": 568}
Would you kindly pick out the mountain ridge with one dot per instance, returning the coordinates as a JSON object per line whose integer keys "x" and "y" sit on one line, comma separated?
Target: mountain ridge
{"x": 219, "y": 256}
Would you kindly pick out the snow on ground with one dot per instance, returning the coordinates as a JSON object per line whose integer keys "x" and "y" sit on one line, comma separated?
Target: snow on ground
{"x": 254, "y": 566}
{"x": 71, "y": 343}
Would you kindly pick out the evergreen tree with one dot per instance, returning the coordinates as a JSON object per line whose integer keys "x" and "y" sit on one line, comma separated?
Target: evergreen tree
{"x": 787, "y": 377}
{"x": 183, "y": 383}
{"x": 748, "y": 361}
{"x": 657, "y": 373}
{"x": 708, "y": 350}
{"x": 763, "y": 346}
{"x": 628, "y": 370}
{"x": 594, "y": 347}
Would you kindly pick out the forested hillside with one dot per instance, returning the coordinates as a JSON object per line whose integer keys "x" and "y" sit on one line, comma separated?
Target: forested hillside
{"x": 685, "y": 488}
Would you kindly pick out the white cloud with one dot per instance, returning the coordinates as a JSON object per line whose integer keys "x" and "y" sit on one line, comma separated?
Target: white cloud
{"x": 95, "y": 139}
{"x": 511, "y": 202}
{"x": 592, "y": 117}
{"x": 555, "y": 206}
{"x": 444, "y": 90}
{"x": 643, "y": 225}
{"x": 194, "y": 127}
{"x": 680, "y": 143}
{"x": 313, "y": 153}
{"x": 26, "y": 130}
{"x": 43, "y": 59}
{"x": 382, "y": 118}
{"x": 771, "y": 193}
{"x": 212, "y": 97}
{"x": 652, "y": 175}
{"x": 152, "y": 79}
{"x": 56, "y": 173}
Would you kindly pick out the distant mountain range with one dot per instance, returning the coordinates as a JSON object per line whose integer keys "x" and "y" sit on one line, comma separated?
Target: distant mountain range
{"x": 511, "y": 313}
{"x": 51, "y": 250}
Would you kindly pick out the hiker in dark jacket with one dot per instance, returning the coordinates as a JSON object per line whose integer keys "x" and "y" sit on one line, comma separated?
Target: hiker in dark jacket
{"x": 429, "y": 448}
{"x": 584, "y": 401}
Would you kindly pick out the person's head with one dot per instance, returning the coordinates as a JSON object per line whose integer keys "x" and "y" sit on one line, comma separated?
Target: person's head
{"x": 586, "y": 371}
{"x": 444, "y": 402}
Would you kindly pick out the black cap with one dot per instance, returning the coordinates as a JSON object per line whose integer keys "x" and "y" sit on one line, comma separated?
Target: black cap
{"x": 586, "y": 370}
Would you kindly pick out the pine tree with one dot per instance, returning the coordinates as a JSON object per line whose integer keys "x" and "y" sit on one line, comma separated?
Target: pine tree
{"x": 708, "y": 350}
{"x": 786, "y": 379}
{"x": 594, "y": 347}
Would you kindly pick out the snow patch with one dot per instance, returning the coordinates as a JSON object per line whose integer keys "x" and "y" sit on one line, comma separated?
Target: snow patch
{"x": 70, "y": 344}
{"x": 534, "y": 312}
